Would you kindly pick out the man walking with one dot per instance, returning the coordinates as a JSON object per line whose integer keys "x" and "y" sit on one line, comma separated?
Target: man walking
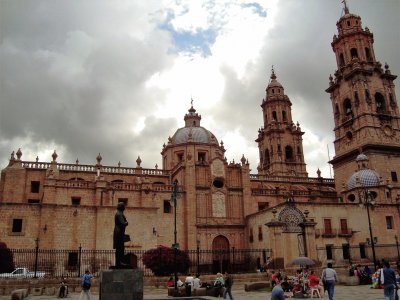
{"x": 228, "y": 285}
{"x": 389, "y": 281}
{"x": 329, "y": 277}
{"x": 277, "y": 293}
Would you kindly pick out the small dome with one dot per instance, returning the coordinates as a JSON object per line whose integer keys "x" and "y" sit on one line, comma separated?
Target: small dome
{"x": 362, "y": 157}
{"x": 193, "y": 134}
{"x": 274, "y": 83}
{"x": 363, "y": 178}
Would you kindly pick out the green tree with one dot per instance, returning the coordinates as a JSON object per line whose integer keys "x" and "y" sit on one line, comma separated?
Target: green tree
{"x": 6, "y": 259}
{"x": 160, "y": 261}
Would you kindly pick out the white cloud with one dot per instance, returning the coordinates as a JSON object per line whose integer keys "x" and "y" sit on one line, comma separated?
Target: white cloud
{"x": 100, "y": 76}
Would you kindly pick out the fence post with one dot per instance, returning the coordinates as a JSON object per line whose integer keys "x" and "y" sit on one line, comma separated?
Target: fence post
{"x": 79, "y": 260}
{"x": 36, "y": 256}
{"x": 233, "y": 260}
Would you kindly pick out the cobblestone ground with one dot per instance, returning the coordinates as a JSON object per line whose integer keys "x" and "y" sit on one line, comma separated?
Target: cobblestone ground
{"x": 362, "y": 292}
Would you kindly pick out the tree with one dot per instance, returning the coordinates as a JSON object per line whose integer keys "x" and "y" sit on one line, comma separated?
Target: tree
{"x": 160, "y": 261}
{"x": 6, "y": 259}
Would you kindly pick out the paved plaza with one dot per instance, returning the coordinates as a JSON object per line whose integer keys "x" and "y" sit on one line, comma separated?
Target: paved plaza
{"x": 360, "y": 292}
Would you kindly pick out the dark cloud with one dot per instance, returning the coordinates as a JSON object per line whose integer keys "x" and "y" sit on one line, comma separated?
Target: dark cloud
{"x": 73, "y": 75}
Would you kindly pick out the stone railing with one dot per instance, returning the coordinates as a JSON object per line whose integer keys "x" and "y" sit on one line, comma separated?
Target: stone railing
{"x": 94, "y": 168}
{"x": 292, "y": 179}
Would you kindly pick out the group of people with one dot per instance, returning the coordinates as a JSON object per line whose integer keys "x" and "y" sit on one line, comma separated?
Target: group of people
{"x": 303, "y": 283}
{"x": 363, "y": 273}
{"x": 222, "y": 284}
{"x": 388, "y": 279}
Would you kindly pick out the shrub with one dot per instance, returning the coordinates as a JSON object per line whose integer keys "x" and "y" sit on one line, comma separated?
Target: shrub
{"x": 160, "y": 261}
{"x": 6, "y": 259}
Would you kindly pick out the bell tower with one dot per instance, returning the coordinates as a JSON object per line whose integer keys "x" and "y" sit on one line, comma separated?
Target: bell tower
{"x": 279, "y": 141}
{"x": 365, "y": 108}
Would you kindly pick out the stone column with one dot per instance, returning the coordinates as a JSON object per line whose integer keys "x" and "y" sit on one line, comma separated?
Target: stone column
{"x": 275, "y": 239}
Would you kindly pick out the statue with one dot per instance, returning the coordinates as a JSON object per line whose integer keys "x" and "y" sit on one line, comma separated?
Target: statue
{"x": 119, "y": 237}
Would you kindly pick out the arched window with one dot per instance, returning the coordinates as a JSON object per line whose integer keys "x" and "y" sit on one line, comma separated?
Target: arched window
{"x": 368, "y": 54}
{"x": 274, "y": 116}
{"x": 266, "y": 157}
{"x": 353, "y": 53}
{"x": 380, "y": 102}
{"x": 347, "y": 107}
{"x": 284, "y": 116}
{"x": 298, "y": 150}
{"x": 341, "y": 60}
{"x": 288, "y": 153}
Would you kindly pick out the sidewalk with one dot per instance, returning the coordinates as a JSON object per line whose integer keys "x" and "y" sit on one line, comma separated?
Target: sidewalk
{"x": 359, "y": 292}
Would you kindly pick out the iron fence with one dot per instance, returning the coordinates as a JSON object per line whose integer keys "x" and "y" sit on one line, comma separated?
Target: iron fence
{"x": 357, "y": 253}
{"x": 73, "y": 263}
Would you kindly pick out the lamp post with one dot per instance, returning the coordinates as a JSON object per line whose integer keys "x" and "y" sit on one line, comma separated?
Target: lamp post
{"x": 367, "y": 201}
{"x": 198, "y": 258}
{"x": 36, "y": 256}
{"x": 175, "y": 246}
{"x": 397, "y": 246}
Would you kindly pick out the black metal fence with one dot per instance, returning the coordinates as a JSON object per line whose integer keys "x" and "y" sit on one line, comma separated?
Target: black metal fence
{"x": 357, "y": 253}
{"x": 73, "y": 263}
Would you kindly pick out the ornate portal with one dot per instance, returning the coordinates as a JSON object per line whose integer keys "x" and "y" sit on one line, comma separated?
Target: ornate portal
{"x": 291, "y": 216}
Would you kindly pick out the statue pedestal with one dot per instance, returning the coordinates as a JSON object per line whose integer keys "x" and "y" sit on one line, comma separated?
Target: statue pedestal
{"x": 121, "y": 284}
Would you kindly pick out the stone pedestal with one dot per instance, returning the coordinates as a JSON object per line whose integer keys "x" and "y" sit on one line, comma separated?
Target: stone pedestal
{"x": 121, "y": 284}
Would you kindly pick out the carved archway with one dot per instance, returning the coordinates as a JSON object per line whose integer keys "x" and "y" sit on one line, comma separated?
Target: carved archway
{"x": 292, "y": 218}
{"x": 221, "y": 251}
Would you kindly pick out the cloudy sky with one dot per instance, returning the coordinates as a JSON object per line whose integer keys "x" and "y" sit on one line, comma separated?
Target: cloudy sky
{"x": 116, "y": 77}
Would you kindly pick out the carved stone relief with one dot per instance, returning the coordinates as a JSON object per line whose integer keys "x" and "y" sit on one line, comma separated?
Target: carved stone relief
{"x": 218, "y": 205}
{"x": 217, "y": 168}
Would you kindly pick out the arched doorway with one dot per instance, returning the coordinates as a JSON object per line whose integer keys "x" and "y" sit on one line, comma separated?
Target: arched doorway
{"x": 220, "y": 247}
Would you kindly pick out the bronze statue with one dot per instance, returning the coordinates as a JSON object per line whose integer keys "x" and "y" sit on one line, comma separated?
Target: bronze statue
{"x": 119, "y": 235}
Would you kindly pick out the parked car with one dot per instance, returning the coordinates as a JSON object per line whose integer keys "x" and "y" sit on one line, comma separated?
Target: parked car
{"x": 22, "y": 273}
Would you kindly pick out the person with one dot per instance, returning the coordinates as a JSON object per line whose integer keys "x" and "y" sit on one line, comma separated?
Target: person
{"x": 189, "y": 285}
{"x": 298, "y": 283}
{"x": 197, "y": 282}
{"x": 120, "y": 223}
{"x": 389, "y": 281}
{"x": 274, "y": 278}
{"x": 228, "y": 285}
{"x": 62, "y": 290}
{"x": 86, "y": 284}
{"x": 314, "y": 282}
{"x": 170, "y": 282}
{"x": 179, "y": 283}
{"x": 219, "y": 285}
{"x": 277, "y": 293}
{"x": 329, "y": 277}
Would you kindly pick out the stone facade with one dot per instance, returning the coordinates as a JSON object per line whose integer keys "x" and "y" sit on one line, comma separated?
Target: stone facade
{"x": 221, "y": 205}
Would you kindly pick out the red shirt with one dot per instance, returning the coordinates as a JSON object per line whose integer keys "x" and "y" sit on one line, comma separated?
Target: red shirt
{"x": 314, "y": 280}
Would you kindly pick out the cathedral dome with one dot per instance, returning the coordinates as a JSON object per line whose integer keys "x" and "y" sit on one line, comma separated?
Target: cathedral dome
{"x": 193, "y": 132}
{"x": 364, "y": 177}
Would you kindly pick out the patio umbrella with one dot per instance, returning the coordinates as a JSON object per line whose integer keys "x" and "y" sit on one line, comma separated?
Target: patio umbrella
{"x": 302, "y": 261}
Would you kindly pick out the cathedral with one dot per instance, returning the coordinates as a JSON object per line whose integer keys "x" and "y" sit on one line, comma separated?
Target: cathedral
{"x": 219, "y": 204}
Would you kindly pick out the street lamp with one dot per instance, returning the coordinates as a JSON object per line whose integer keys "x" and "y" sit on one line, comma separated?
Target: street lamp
{"x": 175, "y": 246}
{"x": 366, "y": 199}
{"x": 397, "y": 246}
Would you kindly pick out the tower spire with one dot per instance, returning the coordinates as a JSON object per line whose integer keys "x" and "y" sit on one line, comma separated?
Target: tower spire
{"x": 346, "y": 8}
{"x": 273, "y": 76}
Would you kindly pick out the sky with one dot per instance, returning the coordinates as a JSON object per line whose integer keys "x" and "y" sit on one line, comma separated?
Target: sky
{"x": 117, "y": 77}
